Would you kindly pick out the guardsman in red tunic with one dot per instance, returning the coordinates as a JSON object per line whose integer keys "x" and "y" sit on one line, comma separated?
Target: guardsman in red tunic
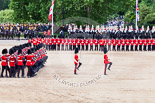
{"x": 78, "y": 43}
{"x": 114, "y": 44}
{"x": 101, "y": 44}
{"x": 149, "y": 44}
{"x": 82, "y": 43}
{"x": 46, "y": 42}
{"x": 131, "y": 44}
{"x": 127, "y": 44}
{"x": 54, "y": 43}
{"x": 49, "y": 33}
{"x": 20, "y": 64}
{"x": 144, "y": 44}
{"x": 50, "y": 43}
{"x": 123, "y": 44}
{"x": 74, "y": 43}
{"x": 153, "y": 44}
{"x": 4, "y": 63}
{"x": 58, "y": 43}
{"x": 109, "y": 44}
{"x": 62, "y": 44}
{"x": 140, "y": 44}
{"x": 70, "y": 44}
{"x": 136, "y": 44}
{"x": 106, "y": 61}
{"x": 29, "y": 63}
{"x": 91, "y": 44}
{"x": 44, "y": 33}
{"x": 76, "y": 61}
{"x": 86, "y": 44}
{"x": 118, "y": 44}
{"x": 12, "y": 62}
{"x": 34, "y": 42}
{"x": 96, "y": 44}
{"x": 66, "y": 44}
{"x": 29, "y": 41}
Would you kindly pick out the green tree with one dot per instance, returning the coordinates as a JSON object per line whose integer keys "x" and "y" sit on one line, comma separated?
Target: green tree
{"x": 6, "y": 16}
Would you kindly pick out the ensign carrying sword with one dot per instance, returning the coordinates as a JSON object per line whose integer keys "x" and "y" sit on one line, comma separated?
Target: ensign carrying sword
{"x": 76, "y": 61}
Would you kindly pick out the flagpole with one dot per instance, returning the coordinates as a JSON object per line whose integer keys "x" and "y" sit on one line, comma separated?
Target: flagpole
{"x": 52, "y": 20}
{"x": 136, "y": 14}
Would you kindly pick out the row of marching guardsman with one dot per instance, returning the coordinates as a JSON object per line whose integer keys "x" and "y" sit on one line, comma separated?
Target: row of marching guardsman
{"x": 9, "y": 31}
{"x": 20, "y": 57}
{"x": 114, "y": 31}
{"x": 95, "y": 44}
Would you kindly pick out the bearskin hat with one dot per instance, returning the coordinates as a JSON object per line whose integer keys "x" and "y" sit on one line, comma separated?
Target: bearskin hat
{"x": 76, "y": 50}
{"x": 19, "y": 51}
{"x": 4, "y": 51}
{"x": 105, "y": 50}
{"x": 11, "y": 51}
{"x": 29, "y": 52}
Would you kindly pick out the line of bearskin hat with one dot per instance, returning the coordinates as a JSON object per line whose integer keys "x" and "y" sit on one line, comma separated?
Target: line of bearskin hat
{"x": 16, "y": 48}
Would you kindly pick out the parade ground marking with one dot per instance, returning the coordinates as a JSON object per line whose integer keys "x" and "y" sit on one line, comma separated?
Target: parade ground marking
{"x": 73, "y": 84}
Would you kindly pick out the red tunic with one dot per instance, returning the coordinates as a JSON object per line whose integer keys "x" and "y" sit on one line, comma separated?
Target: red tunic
{"x": 140, "y": 42}
{"x": 70, "y": 41}
{"x": 50, "y": 41}
{"x": 118, "y": 42}
{"x": 122, "y": 42}
{"x": 153, "y": 42}
{"x": 12, "y": 61}
{"x": 82, "y": 42}
{"x": 148, "y": 41}
{"x": 104, "y": 42}
{"x": 66, "y": 41}
{"x": 108, "y": 42}
{"x": 86, "y": 41}
{"x": 78, "y": 42}
{"x": 34, "y": 42}
{"x": 44, "y": 33}
{"x": 127, "y": 42}
{"x": 76, "y": 59}
{"x": 106, "y": 59}
{"x": 74, "y": 42}
{"x": 4, "y": 61}
{"x": 95, "y": 41}
{"x": 91, "y": 42}
{"x": 135, "y": 42}
{"x": 144, "y": 42}
{"x": 53, "y": 41}
{"x": 100, "y": 42}
{"x": 62, "y": 41}
{"x": 20, "y": 60}
{"x": 58, "y": 41}
{"x": 113, "y": 42}
{"x": 29, "y": 41}
{"x": 30, "y": 60}
{"x": 131, "y": 42}
{"x": 49, "y": 32}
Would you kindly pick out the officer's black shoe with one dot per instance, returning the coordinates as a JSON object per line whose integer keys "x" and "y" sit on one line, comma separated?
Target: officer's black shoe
{"x": 75, "y": 73}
